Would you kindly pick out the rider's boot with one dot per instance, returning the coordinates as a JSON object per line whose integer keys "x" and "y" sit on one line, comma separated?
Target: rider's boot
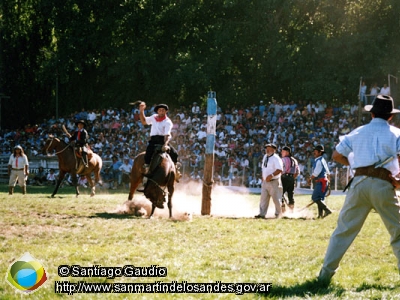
{"x": 178, "y": 174}
{"x": 85, "y": 159}
{"x": 146, "y": 168}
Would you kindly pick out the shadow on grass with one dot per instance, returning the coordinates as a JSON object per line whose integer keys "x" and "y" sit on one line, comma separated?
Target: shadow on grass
{"x": 306, "y": 289}
{"x": 366, "y": 286}
{"x": 106, "y": 215}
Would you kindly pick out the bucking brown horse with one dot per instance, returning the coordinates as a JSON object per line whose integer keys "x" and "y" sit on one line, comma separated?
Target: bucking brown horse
{"x": 69, "y": 163}
{"x": 160, "y": 180}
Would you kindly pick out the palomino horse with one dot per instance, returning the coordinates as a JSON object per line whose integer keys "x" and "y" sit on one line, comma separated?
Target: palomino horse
{"x": 68, "y": 163}
{"x": 160, "y": 182}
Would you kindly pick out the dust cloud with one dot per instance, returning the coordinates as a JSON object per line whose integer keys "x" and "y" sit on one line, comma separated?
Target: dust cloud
{"x": 227, "y": 202}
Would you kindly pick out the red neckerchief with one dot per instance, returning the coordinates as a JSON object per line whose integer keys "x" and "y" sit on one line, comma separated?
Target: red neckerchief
{"x": 160, "y": 119}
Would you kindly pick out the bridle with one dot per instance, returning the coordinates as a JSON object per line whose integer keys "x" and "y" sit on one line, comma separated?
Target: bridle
{"x": 164, "y": 190}
{"x": 58, "y": 152}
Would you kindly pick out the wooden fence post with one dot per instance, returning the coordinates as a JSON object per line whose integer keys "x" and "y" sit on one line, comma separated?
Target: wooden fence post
{"x": 209, "y": 159}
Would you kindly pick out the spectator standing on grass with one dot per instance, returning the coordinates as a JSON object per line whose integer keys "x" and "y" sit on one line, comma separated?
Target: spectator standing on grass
{"x": 272, "y": 167}
{"x": 372, "y": 186}
{"x": 18, "y": 170}
{"x": 125, "y": 169}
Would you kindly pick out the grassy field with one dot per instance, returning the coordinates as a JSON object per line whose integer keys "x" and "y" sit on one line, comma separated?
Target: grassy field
{"x": 230, "y": 247}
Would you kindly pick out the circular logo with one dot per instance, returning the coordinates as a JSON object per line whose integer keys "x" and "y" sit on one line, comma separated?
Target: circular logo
{"x": 26, "y": 274}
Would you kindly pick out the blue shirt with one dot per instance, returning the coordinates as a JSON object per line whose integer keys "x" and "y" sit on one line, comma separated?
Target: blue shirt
{"x": 371, "y": 144}
{"x": 320, "y": 168}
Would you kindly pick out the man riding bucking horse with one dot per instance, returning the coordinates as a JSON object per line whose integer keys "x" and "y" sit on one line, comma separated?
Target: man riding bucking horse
{"x": 160, "y": 134}
{"x": 80, "y": 138}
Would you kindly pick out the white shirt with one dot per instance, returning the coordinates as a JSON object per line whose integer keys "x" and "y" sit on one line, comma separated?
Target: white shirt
{"x": 385, "y": 91}
{"x": 51, "y": 176}
{"x": 201, "y": 134}
{"x": 196, "y": 109}
{"x": 92, "y": 116}
{"x": 159, "y": 128}
{"x": 270, "y": 165}
{"x": 22, "y": 161}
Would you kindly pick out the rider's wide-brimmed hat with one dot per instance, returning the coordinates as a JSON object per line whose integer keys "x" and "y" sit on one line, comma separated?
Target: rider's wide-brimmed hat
{"x": 165, "y": 106}
{"x": 81, "y": 121}
{"x": 382, "y": 105}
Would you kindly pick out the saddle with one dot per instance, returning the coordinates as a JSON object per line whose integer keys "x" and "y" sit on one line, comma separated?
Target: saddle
{"x": 155, "y": 162}
{"x": 78, "y": 153}
{"x": 156, "y": 159}
{"x": 80, "y": 166}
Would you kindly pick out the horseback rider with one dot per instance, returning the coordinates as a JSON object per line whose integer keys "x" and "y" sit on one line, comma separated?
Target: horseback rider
{"x": 160, "y": 134}
{"x": 80, "y": 138}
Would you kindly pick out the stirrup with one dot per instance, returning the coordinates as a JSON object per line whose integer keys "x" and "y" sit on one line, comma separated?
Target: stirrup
{"x": 178, "y": 176}
{"x": 146, "y": 168}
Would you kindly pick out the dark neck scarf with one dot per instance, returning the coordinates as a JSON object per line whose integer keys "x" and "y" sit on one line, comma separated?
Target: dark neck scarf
{"x": 266, "y": 161}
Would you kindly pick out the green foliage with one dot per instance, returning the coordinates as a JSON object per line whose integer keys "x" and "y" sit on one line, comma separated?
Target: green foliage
{"x": 113, "y": 52}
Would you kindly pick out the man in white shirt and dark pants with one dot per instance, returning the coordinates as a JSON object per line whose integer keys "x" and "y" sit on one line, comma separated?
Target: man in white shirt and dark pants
{"x": 160, "y": 134}
{"x": 271, "y": 186}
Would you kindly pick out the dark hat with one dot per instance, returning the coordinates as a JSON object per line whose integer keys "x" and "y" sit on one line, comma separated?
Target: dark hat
{"x": 161, "y": 106}
{"x": 286, "y": 148}
{"x": 271, "y": 145}
{"x": 319, "y": 148}
{"x": 382, "y": 105}
{"x": 80, "y": 121}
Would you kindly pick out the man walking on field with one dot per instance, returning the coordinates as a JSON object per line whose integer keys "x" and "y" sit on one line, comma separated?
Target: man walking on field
{"x": 375, "y": 147}
{"x": 271, "y": 182}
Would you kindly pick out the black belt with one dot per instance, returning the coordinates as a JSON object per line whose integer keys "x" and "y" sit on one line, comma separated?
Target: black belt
{"x": 287, "y": 174}
{"x": 17, "y": 169}
{"x": 157, "y": 139}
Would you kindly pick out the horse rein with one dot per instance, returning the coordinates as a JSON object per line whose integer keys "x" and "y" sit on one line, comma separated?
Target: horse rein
{"x": 163, "y": 190}
{"x": 47, "y": 149}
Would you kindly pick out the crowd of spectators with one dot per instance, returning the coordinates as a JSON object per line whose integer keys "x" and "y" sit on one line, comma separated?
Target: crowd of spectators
{"x": 241, "y": 133}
